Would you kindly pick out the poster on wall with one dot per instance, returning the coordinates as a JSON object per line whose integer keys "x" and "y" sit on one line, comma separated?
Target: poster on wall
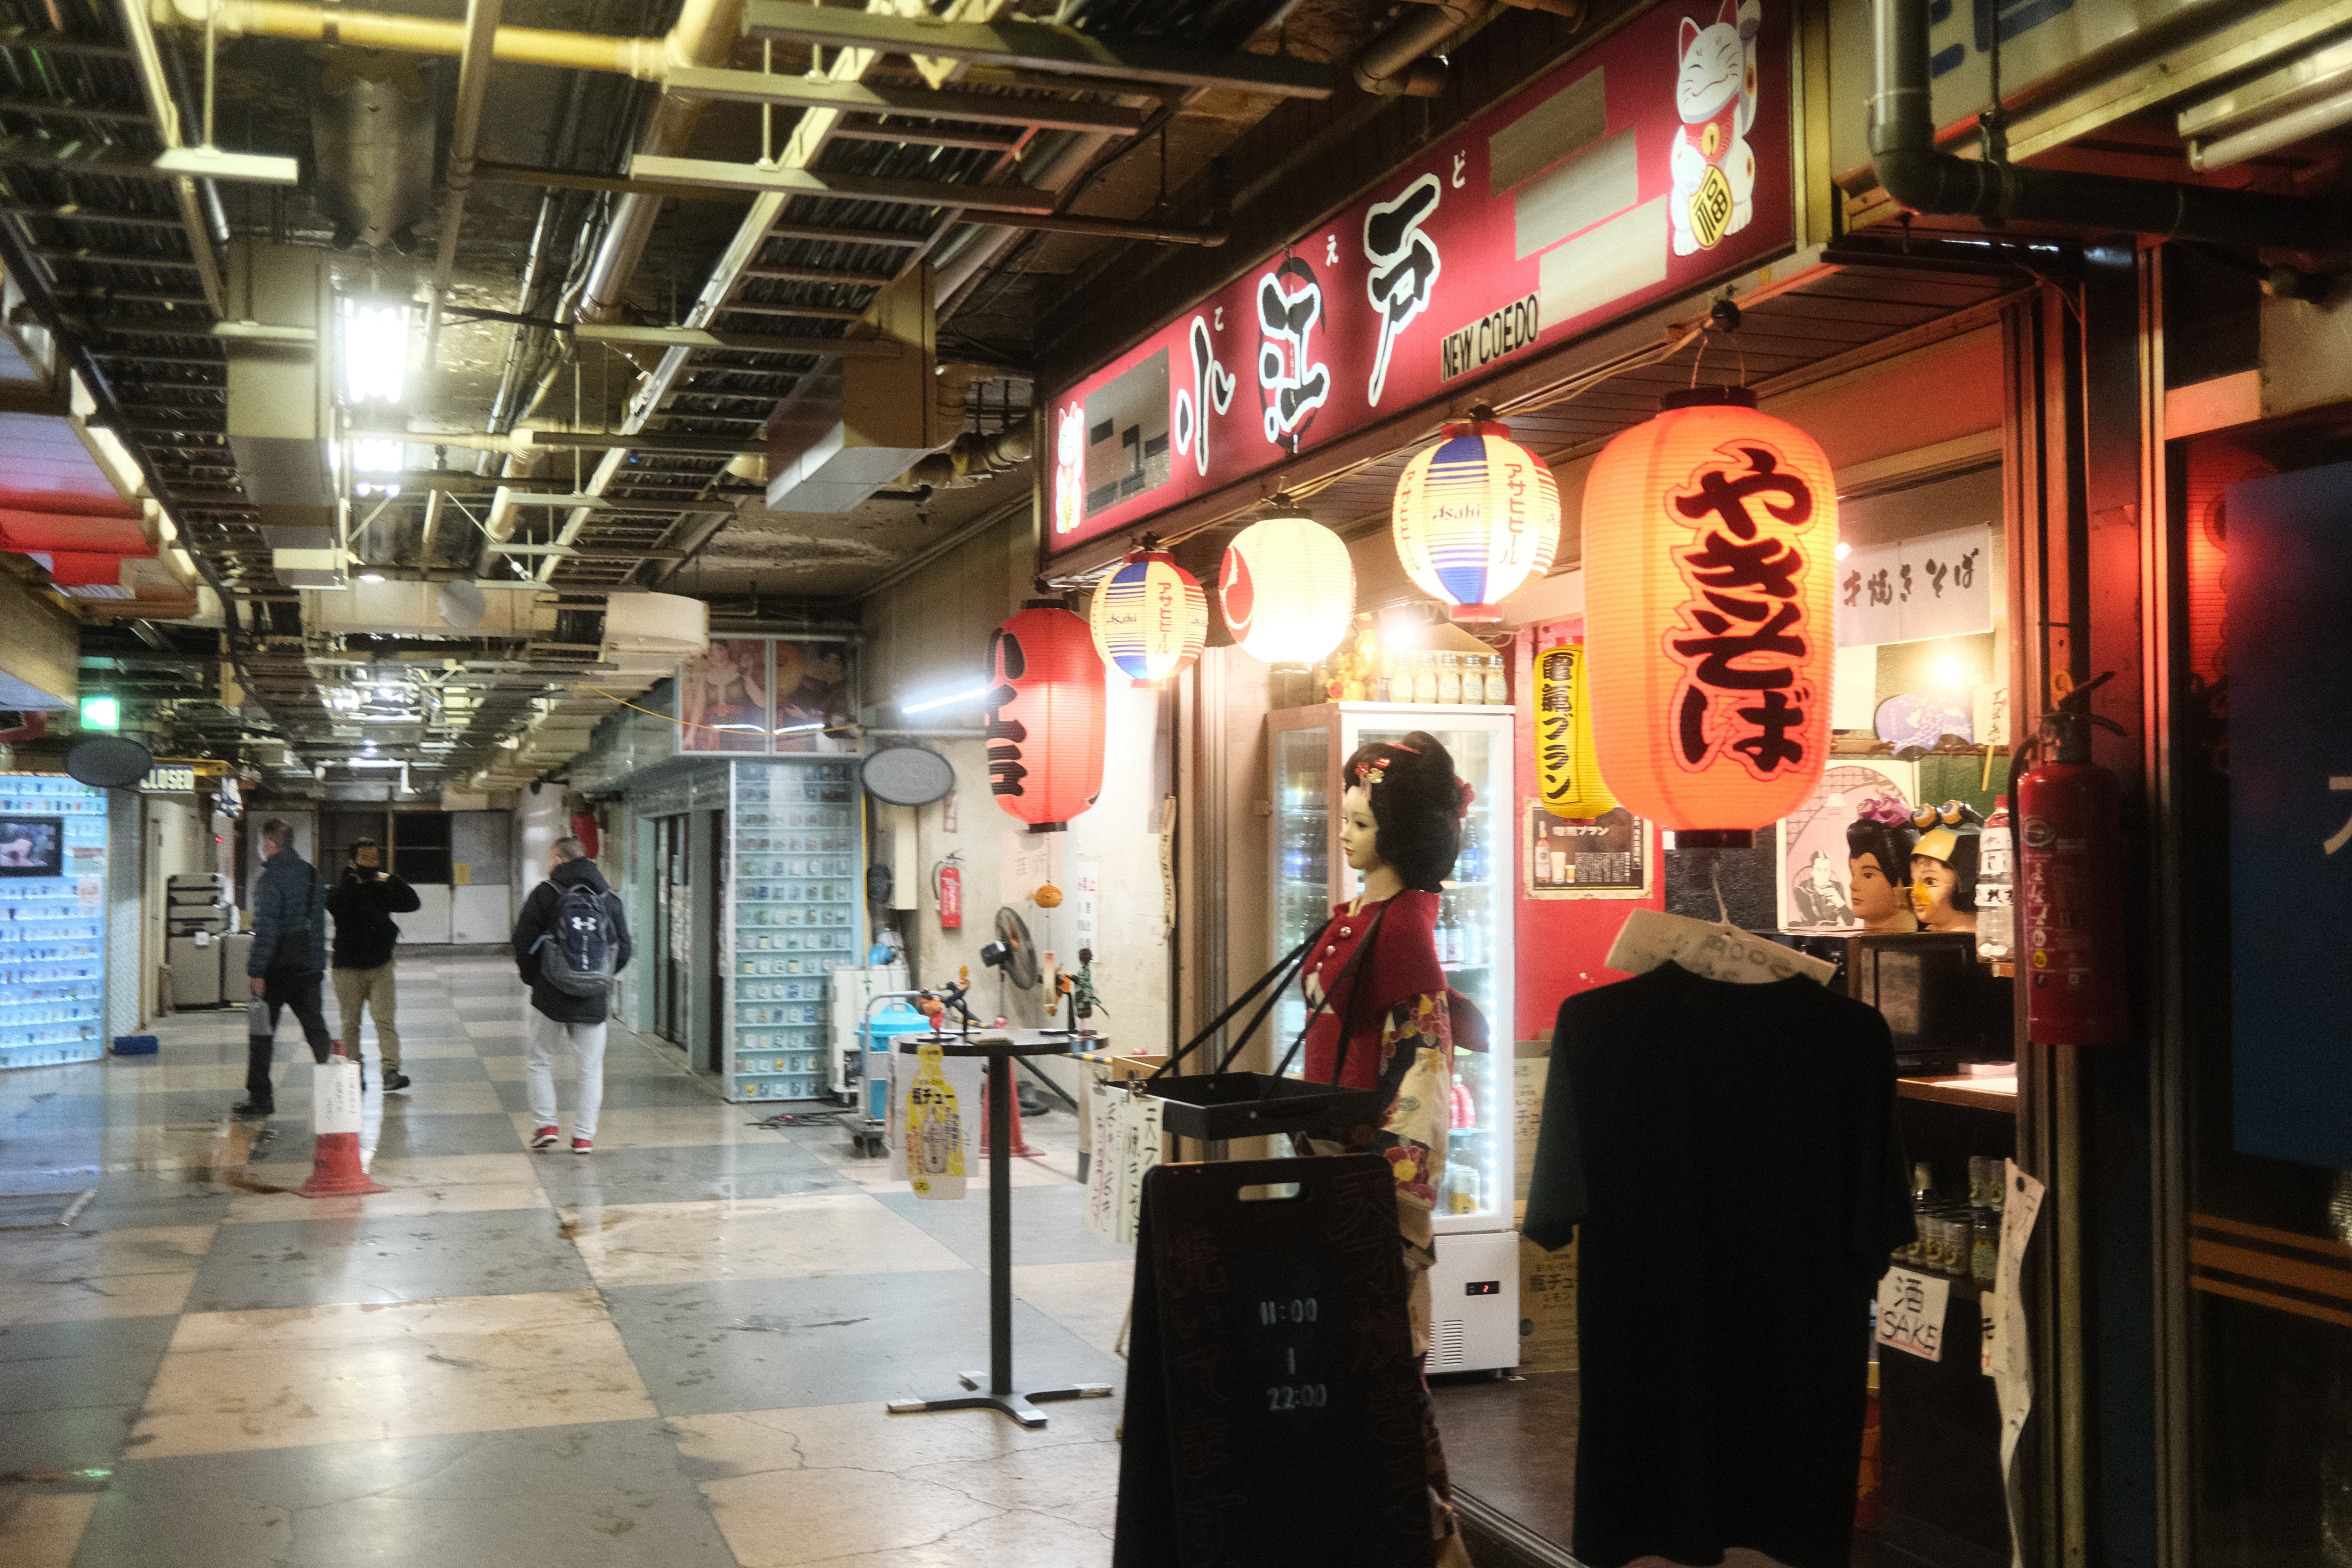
{"x": 2290, "y": 814}
{"x": 1814, "y": 879}
{"x": 1603, "y": 856}
{"x": 1645, "y": 168}
{"x": 766, "y": 695}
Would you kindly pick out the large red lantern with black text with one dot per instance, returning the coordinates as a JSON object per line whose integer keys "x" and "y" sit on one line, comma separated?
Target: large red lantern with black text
{"x": 1710, "y": 542}
{"x": 1045, "y": 710}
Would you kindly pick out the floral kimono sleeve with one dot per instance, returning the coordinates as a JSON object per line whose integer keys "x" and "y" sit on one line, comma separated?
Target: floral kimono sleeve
{"x": 1413, "y": 1135}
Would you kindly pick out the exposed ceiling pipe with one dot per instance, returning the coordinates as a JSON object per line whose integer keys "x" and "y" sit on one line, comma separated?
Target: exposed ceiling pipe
{"x": 704, "y": 31}
{"x": 644, "y": 58}
{"x": 160, "y": 103}
{"x": 473, "y": 90}
{"x": 1902, "y": 155}
{"x": 1397, "y": 63}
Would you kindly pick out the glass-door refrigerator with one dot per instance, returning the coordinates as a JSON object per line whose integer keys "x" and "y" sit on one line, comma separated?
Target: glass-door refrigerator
{"x": 796, "y": 912}
{"x": 1475, "y": 1285}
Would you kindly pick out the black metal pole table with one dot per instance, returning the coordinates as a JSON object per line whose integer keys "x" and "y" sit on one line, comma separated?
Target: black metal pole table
{"x": 998, "y": 1394}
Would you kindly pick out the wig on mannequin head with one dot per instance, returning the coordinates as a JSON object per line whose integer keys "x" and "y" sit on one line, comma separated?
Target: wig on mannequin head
{"x": 1417, "y": 805}
{"x": 1952, "y": 833}
{"x": 1886, "y": 833}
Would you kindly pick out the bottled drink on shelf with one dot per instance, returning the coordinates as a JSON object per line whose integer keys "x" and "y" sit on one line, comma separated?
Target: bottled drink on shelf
{"x": 1997, "y": 886}
{"x": 1424, "y": 677}
{"x": 1449, "y": 678}
{"x": 1498, "y": 691}
{"x": 1462, "y": 1188}
{"x": 1466, "y": 1110}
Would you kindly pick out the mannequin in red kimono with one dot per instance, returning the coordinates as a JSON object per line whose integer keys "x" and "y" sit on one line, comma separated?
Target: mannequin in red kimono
{"x": 1388, "y": 1020}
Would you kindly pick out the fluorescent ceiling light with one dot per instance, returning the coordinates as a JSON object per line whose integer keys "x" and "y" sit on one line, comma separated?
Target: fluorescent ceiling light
{"x": 928, "y": 704}
{"x": 376, "y": 456}
{"x": 370, "y": 577}
{"x": 212, "y": 164}
{"x": 375, "y": 351}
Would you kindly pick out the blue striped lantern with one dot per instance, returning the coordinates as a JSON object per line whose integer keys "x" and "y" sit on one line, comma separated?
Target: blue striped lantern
{"x": 1150, "y": 618}
{"x": 1475, "y": 516}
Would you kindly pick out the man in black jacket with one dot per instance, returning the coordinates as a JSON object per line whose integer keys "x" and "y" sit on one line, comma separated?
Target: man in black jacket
{"x": 289, "y": 953}
{"x": 556, "y": 1012}
{"x": 363, "y": 904}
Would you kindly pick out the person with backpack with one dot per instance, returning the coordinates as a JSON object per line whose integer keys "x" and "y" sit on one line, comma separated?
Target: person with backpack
{"x": 569, "y": 943}
{"x": 363, "y": 904}
{"x": 288, "y": 961}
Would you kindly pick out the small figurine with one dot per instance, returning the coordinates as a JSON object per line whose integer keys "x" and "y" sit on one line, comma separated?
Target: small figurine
{"x": 1083, "y": 999}
{"x": 1878, "y": 846}
{"x": 1944, "y": 866}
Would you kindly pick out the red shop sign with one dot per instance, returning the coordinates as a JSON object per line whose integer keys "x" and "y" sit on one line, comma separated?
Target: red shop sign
{"x": 1645, "y": 168}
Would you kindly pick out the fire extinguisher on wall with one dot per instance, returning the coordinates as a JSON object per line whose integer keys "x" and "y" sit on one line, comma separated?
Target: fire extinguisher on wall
{"x": 947, "y": 892}
{"x": 2070, "y": 896}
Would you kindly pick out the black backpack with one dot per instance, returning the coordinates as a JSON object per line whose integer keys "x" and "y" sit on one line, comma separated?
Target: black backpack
{"x": 576, "y": 954}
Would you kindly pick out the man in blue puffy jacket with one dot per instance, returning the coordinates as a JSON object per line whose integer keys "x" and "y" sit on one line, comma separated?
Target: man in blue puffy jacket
{"x": 289, "y": 959}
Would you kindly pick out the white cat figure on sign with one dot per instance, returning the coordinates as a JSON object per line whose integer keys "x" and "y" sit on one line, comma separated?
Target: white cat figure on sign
{"x": 1714, "y": 93}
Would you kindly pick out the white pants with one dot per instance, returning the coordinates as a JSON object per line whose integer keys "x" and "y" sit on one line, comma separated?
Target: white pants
{"x": 587, "y": 1043}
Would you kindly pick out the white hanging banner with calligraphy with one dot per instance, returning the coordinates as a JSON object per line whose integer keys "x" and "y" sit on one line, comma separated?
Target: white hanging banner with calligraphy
{"x": 1933, "y": 585}
{"x": 2012, "y": 1365}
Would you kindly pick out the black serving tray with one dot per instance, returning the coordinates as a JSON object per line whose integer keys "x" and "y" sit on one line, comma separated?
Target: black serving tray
{"x": 1214, "y": 1106}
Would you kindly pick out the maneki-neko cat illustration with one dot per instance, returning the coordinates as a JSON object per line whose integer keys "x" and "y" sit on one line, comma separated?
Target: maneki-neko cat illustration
{"x": 1714, "y": 93}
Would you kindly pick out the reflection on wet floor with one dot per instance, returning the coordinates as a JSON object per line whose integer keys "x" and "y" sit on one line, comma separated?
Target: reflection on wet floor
{"x": 675, "y": 1350}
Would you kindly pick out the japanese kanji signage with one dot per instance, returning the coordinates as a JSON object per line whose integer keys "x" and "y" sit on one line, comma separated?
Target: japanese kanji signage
{"x": 2289, "y": 584}
{"x": 1933, "y": 586}
{"x": 1644, "y": 168}
{"x": 1911, "y": 1309}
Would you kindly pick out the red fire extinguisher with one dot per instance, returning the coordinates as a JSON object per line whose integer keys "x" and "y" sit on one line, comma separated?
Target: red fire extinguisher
{"x": 2069, "y": 898}
{"x": 947, "y": 890}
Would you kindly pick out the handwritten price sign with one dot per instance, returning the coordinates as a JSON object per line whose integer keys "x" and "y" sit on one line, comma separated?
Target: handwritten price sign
{"x": 1911, "y": 1313}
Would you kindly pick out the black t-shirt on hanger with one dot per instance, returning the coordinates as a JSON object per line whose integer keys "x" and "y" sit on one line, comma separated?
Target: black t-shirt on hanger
{"x": 1729, "y": 1157}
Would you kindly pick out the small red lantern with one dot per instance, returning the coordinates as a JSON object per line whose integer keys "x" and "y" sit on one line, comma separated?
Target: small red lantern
{"x": 1710, "y": 539}
{"x": 1044, "y": 708}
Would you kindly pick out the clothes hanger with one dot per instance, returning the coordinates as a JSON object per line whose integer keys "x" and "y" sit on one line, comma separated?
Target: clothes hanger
{"x": 1714, "y": 949}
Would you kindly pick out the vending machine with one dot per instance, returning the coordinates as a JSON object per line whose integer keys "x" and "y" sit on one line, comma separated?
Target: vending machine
{"x": 1474, "y": 1323}
{"x": 53, "y": 935}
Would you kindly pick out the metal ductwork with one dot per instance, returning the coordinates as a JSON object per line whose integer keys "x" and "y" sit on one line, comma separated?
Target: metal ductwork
{"x": 972, "y": 458}
{"x": 1902, "y": 155}
{"x": 1402, "y": 62}
{"x": 372, "y": 127}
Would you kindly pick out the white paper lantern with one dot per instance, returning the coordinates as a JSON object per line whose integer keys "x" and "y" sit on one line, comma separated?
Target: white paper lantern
{"x": 1288, "y": 589}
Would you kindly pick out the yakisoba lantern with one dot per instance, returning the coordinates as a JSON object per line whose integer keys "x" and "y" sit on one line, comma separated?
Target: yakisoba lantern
{"x": 1710, "y": 539}
{"x": 1567, "y": 766}
{"x": 1149, "y": 617}
{"x": 1288, "y": 589}
{"x": 1475, "y": 516}
{"x": 1045, "y": 706}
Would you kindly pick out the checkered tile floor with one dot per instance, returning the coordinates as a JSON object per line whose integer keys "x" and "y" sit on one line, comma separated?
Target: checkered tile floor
{"x": 675, "y": 1351}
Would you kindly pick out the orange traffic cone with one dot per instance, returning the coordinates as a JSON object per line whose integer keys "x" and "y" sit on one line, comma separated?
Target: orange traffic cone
{"x": 335, "y": 1169}
{"x": 1022, "y": 1148}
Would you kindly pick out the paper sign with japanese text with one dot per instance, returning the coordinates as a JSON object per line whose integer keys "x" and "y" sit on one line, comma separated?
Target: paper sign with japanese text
{"x": 1933, "y": 585}
{"x": 1644, "y": 169}
{"x": 1911, "y": 1312}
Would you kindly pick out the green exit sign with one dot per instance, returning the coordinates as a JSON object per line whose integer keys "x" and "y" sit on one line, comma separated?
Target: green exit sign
{"x": 102, "y": 712}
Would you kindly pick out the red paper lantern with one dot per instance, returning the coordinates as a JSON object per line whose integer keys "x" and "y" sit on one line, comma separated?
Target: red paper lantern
{"x": 1710, "y": 539}
{"x": 1044, "y": 708}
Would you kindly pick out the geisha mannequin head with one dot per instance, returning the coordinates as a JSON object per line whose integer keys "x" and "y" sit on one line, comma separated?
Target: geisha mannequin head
{"x": 1401, "y": 814}
{"x": 1944, "y": 866}
{"x": 1878, "y": 867}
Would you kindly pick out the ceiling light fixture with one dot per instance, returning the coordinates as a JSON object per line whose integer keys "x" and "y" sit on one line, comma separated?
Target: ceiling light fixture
{"x": 370, "y": 577}
{"x": 928, "y": 704}
{"x": 375, "y": 351}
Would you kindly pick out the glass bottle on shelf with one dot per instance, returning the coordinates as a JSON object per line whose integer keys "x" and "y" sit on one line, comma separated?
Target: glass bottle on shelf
{"x": 1449, "y": 678}
{"x": 1424, "y": 677}
{"x": 1498, "y": 690}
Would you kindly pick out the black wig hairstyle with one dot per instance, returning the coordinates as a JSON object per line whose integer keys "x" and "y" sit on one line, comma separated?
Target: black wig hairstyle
{"x": 1966, "y": 825}
{"x": 1416, "y": 802}
{"x": 1891, "y": 842}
